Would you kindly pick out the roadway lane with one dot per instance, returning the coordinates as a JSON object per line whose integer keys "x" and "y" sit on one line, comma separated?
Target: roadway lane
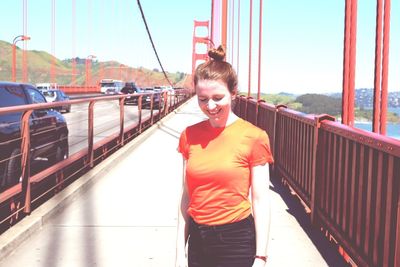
{"x": 106, "y": 121}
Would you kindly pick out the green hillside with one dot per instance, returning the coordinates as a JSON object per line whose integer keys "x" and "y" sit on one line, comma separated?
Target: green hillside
{"x": 40, "y": 62}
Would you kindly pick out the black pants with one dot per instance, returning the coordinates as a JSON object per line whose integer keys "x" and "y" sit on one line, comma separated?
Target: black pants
{"x": 227, "y": 245}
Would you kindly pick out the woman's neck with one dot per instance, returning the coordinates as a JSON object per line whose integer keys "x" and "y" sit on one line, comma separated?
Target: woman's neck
{"x": 230, "y": 119}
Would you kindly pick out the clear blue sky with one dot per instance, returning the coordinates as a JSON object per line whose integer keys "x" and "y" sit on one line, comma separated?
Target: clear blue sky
{"x": 302, "y": 40}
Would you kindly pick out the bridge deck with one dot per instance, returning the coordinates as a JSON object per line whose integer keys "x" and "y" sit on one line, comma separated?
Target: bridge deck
{"x": 123, "y": 213}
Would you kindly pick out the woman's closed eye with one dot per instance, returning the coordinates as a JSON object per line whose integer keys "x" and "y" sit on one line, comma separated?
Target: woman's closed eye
{"x": 218, "y": 98}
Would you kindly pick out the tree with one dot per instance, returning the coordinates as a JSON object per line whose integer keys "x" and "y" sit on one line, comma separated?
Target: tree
{"x": 319, "y": 104}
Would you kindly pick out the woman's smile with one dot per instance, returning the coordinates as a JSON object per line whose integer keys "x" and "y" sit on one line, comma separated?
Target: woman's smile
{"x": 215, "y": 101}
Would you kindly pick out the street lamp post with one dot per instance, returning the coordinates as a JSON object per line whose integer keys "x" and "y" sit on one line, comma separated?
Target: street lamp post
{"x": 121, "y": 66}
{"x": 14, "y": 54}
{"x": 88, "y": 68}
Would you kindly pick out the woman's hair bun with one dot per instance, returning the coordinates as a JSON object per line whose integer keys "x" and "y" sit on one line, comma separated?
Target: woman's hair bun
{"x": 218, "y": 54}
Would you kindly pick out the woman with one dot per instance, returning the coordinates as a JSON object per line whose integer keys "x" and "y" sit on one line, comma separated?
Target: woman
{"x": 224, "y": 156}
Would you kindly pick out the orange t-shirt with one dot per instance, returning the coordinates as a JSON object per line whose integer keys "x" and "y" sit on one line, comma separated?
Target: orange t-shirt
{"x": 218, "y": 169}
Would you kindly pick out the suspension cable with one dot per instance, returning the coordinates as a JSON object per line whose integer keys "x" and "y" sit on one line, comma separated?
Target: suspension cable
{"x": 152, "y": 43}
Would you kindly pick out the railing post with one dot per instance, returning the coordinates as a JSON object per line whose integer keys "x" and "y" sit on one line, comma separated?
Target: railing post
{"x": 315, "y": 186}
{"x": 140, "y": 113}
{"x": 166, "y": 97}
{"x": 121, "y": 120}
{"x": 90, "y": 134}
{"x": 25, "y": 160}
{"x": 151, "y": 108}
{"x": 257, "y": 107}
{"x": 397, "y": 242}
{"x": 246, "y": 109}
{"x": 277, "y": 108}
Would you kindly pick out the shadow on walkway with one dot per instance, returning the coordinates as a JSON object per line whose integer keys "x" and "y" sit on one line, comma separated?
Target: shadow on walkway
{"x": 327, "y": 249}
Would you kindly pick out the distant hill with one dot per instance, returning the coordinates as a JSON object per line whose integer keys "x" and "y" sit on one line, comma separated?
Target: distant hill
{"x": 363, "y": 98}
{"x": 40, "y": 62}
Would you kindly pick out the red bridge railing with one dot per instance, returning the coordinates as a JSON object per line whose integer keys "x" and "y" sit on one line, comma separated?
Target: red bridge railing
{"x": 17, "y": 201}
{"x": 349, "y": 179}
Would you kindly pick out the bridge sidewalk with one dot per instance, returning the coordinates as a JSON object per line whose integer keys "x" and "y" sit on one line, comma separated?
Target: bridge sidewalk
{"x": 123, "y": 213}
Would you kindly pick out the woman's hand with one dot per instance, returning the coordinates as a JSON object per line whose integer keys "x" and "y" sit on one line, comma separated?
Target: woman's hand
{"x": 182, "y": 262}
{"x": 259, "y": 263}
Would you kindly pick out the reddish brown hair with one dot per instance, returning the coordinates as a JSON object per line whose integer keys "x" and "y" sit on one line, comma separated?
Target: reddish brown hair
{"x": 217, "y": 69}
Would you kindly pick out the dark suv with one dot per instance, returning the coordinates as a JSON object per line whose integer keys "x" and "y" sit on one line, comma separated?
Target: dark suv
{"x": 130, "y": 88}
{"x": 158, "y": 100}
{"x": 48, "y": 131}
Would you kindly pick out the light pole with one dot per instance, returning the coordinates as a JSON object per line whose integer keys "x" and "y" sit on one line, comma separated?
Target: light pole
{"x": 89, "y": 59}
{"x": 14, "y": 54}
{"x": 121, "y": 66}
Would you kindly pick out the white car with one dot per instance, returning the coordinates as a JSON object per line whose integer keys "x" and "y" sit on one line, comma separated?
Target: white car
{"x": 54, "y": 95}
{"x": 46, "y": 86}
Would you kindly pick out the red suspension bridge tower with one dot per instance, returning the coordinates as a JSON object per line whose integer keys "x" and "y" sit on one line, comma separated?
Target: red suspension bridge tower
{"x": 203, "y": 40}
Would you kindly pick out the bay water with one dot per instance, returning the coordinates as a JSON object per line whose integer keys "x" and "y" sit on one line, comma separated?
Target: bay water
{"x": 392, "y": 129}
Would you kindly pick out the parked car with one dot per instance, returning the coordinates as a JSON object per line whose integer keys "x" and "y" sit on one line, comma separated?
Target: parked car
{"x": 46, "y": 86}
{"x": 48, "y": 131}
{"x": 157, "y": 98}
{"x": 131, "y": 88}
{"x": 54, "y": 95}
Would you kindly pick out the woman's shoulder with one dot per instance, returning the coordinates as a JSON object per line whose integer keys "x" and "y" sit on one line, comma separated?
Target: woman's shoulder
{"x": 248, "y": 127}
{"x": 197, "y": 127}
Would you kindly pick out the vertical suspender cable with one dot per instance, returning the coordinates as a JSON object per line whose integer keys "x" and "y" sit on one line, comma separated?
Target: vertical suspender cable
{"x": 349, "y": 62}
{"x": 53, "y": 42}
{"x": 73, "y": 78}
{"x": 385, "y": 67}
{"x": 25, "y": 47}
{"x": 224, "y": 24}
{"x": 212, "y": 21}
{"x": 346, "y": 52}
{"x": 238, "y": 40}
{"x": 259, "y": 52}
{"x": 152, "y": 43}
{"x": 352, "y": 65}
{"x": 250, "y": 37}
{"x": 232, "y": 30}
{"x": 378, "y": 60}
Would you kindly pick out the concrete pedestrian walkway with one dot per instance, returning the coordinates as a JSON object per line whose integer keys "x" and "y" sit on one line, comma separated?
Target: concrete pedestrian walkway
{"x": 124, "y": 213}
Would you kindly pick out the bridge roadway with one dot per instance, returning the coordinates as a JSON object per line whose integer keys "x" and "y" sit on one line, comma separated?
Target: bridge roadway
{"x": 124, "y": 213}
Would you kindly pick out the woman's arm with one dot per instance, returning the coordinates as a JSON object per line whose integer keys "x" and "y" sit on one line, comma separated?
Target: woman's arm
{"x": 182, "y": 229}
{"x": 261, "y": 209}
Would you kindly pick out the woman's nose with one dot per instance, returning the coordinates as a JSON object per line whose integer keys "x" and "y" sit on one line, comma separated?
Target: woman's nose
{"x": 211, "y": 104}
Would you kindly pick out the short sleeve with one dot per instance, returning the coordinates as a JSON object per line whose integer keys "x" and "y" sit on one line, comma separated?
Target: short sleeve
{"x": 261, "y": 151}
{"x": 183, "y": 145}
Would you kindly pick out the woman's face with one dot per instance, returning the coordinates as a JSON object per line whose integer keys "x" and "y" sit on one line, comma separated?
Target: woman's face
{"x": 215, "y": 101}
